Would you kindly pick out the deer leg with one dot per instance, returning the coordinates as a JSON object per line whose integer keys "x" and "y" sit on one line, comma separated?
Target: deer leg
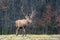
{"x": 17, "y": 31}
{"x": 24, "y": 32}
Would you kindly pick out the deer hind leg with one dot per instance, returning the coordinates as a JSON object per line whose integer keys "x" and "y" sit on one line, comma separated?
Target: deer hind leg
{"x": 17, "y": 31}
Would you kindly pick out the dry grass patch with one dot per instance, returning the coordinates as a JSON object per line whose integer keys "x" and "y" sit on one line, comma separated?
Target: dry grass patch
{"x": 30, "y": 37}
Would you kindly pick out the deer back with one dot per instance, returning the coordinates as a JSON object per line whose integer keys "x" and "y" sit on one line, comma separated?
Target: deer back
{"x": 21, "y": 23}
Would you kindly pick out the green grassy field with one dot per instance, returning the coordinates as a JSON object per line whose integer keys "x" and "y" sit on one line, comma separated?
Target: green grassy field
{"x": 30, "y": 37}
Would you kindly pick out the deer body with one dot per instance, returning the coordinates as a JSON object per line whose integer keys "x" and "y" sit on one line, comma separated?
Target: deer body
{"x": 21, "y": 23}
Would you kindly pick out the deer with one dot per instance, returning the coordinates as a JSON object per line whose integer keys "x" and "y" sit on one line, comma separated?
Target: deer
{"x": 23, "y": 23}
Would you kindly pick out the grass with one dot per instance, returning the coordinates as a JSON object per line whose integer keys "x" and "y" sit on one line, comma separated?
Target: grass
{"x": 30, "y": 37}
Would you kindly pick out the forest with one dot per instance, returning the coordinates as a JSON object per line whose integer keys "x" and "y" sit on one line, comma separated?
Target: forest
{"x": 45, "y": 21}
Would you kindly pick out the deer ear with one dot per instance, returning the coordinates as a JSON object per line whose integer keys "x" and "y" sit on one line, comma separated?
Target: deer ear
{"x": 26, "y": 16}
{"x": 29, "y": 17}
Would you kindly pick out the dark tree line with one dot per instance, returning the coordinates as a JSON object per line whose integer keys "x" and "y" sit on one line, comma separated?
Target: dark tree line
{"x": 46, "y": 20}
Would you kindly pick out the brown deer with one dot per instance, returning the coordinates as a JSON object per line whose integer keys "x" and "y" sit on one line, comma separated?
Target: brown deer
{"x": 23, "y": 23}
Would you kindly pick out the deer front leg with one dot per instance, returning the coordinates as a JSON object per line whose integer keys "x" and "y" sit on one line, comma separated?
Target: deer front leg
{"x": 24, "y": 32}
{"x": 17, "y": 31}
